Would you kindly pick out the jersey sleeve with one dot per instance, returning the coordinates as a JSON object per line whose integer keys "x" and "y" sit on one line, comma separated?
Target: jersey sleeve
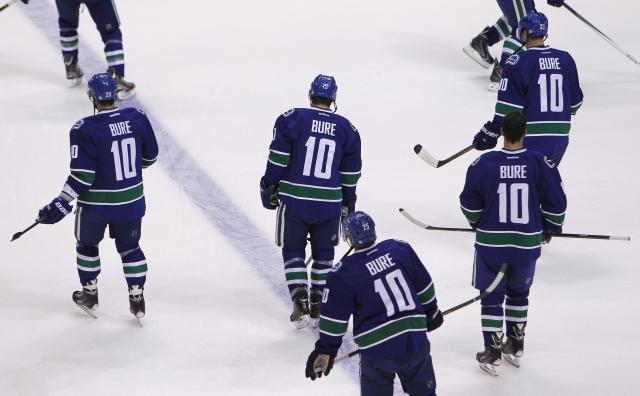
{"x": 512, "y": 93}
{"x": 84, "y": 156}
{"x": 150, "y": 148}
{"x": 423, "y": 283}
{"x": 336, "y": 308}
{"x": 471, "y": 199}
{"x": 280, "y": 148}
{"x": 553, "y": 202}
{"x": 351, "y": 165}
{"x": 576, "y": 92}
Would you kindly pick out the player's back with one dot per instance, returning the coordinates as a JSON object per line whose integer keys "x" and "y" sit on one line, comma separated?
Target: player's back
{"x": 510, "y": 183}
{"x": 388, "y": 318}
{"x": 320, "y": 139}
{"x": 118, "y": 143}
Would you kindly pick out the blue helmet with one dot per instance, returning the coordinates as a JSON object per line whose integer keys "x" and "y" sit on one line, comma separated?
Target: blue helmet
{"x": 324, "y": 87}
{"x": 360, "y": 228}
{"x": 536, "y": 24}
{"x": 102, "y": 87}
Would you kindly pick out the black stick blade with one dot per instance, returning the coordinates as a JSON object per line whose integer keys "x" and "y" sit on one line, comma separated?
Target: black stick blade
{"x": 16, "y": 236}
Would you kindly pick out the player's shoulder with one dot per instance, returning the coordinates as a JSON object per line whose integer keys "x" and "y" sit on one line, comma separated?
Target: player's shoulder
{"x": 540, "y": 159}
{"x": 486, "y": 159}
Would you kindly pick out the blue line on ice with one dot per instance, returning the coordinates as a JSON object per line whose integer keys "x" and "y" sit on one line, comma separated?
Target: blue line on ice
{"x": 199, "y": 187}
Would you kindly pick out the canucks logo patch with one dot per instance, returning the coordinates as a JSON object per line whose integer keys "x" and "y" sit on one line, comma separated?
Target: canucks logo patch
{"x": 475, "y": 162}
{"x": 549, "y": 162}
{"x": 337, "y": 267}
{"x": 288, "y": 112}
{"x": 354, "y": 128}
{"x": 78, "y": 124}
{"x": 513, "y": 59}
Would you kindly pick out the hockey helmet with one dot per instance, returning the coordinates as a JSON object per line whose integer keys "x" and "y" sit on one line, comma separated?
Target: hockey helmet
{"x": 535, "y": 24}
{"x": 102, "y": 88}
{"x": 324, "y": 87}
{"x": 359, "y": 228}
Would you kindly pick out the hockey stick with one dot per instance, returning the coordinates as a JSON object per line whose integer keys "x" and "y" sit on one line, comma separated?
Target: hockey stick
{"x": 20, "y": 233}
{"x": 431, "y": 160}
{"x": 563, "y": 235}
{"x": 604, "y": 36}
{"x": 485, "y": 292}
{"x": 2, "y": 8}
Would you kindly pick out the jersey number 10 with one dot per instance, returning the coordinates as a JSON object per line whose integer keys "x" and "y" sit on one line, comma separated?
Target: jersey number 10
{"x": 553, "y": 99}
{"x": 125, "y": 163}
{"x": 326, "y": 150}
{"x": 395, "y": 281}
{"x": 519, "y": 203}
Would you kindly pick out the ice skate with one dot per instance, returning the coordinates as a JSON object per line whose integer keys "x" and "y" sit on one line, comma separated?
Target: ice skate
{"x": 300, "y": 314}
{"x": 74, "y": 72}
{"x": 478, "y": 50}
{"x": 513, "y": 347}
{"x": 316, "y": 301}
{"x": 491, "y": 357}
{"x": 136, "y": 303}
{"x": 125, "y": 89}
{"x": 87, "y": 298}
{"x": 494, "y": 78}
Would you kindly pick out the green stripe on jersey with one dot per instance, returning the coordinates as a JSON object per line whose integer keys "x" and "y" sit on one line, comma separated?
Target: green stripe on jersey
{"x": 328, "y": 325}
{"x": 472, "y": 217}
{"x": 504, "y": 239}
{"x": 105, "y": 197}
{"x": 427, "y": 295}
{"x": 279, "y": 158}
{"x": 147, "y": 163}
{"x": 85, "y": 176}
{"x": 554, "y": 218}
{"x": 350, "y": 179}
{"x": 310, "y": 192}
{"x": 505, "y": 108}
{"x": 391, "y": 329}
{"x": 548, "y": 128}
{"x": 574, "y": 109}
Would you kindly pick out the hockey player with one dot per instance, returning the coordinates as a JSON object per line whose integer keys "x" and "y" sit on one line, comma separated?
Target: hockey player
{"x": 311, "y": 176}
{"x": 504, "y": 29}
{"x": 108, "y": 152}
{"x": 514, "y": 200}
{"x": 105, "y": 16}
{"x": 392, "y": 299}
{"x": 543, "y": 83}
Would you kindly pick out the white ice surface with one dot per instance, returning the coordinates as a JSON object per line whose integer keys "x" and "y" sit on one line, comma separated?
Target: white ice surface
{"x": 215, "y": 74}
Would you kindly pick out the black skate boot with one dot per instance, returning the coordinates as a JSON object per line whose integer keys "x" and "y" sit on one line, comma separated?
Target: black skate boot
{"x": 87, "y": 298}
{"x": 316, "y": 301}
{"x": 494, "y": 78}
{"x": 478, "y": 50}
{"x": 513, "y": 347}
{"x": 136, "y": 303}
{"x": 491, "y": 357}
{"x": 124, "y": 89}
{"x": 74, "y": 72}
{"x": 300, "y": 313}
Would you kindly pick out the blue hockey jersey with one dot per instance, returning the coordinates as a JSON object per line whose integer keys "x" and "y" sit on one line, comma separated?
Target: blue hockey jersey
{"x": 388, "y": 290}
{"x": 543, "y": 83}
{"x": 511, "y": 198}
{"x": 315, "y": 160}
{"x": 108, "y": 152}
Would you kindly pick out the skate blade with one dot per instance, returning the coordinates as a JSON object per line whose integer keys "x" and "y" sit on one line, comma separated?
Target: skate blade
{"x": 473, "y": 54}
{"x": 92, "y": 312}
{"x": 493, "y": 86}
{"x": 124, "y": 95}
{"x": 489, "y": 369}
{"x": 301, "y": 322}
{"x": 512, "y": 359}
{"x": 74, "y": 82}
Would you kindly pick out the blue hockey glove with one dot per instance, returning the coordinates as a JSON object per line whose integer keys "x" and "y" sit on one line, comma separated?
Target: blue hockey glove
{"x": 555, "y": 3}
{"x": 25, "y": 1}
{"x": 434, "y": 320}
{"x": 318, "y": 364}
{"x": 268, "y": 194}
{"x": 348, "y": 206}
{"x": 546, "y": 238}
{"x": 488, "y": 136}
{"x": 54, "y": 212}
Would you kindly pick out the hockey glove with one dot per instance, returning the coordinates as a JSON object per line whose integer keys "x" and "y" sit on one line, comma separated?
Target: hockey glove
{"x": 347, "y": 207}
{"x": 319, "y": 363}
{"x": 488, "y": 136}
{"x": 434, "y": 320}
{"x": 546, "y": 238}
{"x": 54, "y": 212}
{"x": 25, "y": 1}
{"x": 268, "y": 194}
{"x": 555, "y": 3}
